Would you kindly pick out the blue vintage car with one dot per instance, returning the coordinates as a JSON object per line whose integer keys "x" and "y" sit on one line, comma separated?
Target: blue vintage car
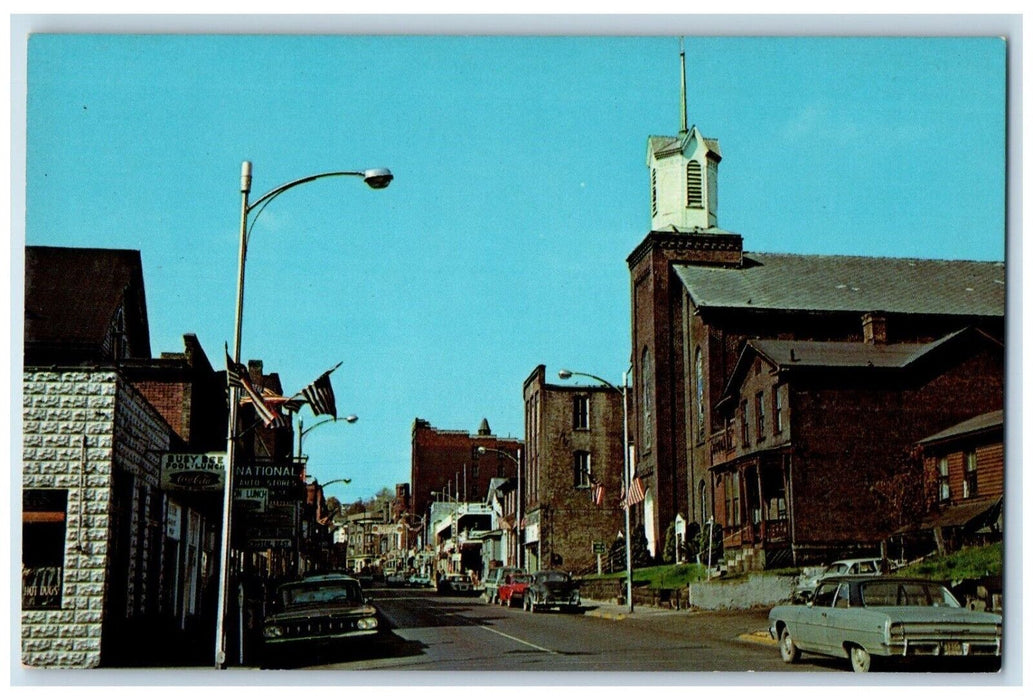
{"x": 870, "y": 619}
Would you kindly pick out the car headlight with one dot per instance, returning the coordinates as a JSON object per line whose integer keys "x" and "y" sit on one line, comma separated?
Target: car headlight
{"x": 895, "y": 633}
{"x": 273, "y": 632}
{"x": 367, "y": 623}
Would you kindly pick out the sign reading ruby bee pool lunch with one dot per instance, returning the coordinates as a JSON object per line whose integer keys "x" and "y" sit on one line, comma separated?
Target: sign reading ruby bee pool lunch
{"x": 182, "y": 471}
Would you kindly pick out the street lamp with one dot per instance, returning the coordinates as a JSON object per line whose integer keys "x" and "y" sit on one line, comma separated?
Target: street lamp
{"x": 377, "y": 178}
{"x": 623, "y": 390}
{"x": 303, "y": 431}
{"x": 519, "y": 498}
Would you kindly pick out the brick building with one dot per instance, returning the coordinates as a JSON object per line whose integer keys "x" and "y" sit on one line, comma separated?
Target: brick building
{"x": 449, "y": 461}
{"x": 816, "y": 430}
{"x": 575, "y": 440}
{"x": 116, "y": 569}
{"x": 963, "y": 469}
{"x": 697, "y": 298}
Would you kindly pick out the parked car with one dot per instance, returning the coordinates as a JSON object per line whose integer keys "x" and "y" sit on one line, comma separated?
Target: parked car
{"x": 870, "y": 619}
{"x": 395, "y": 578}
{"x": 494, "y": 578}
{"x": 455, "y": 584}
{"x": 552, "y": 589}
{"x": 513, "y": 588}
{"x": 419, "y": 581}
{"x": 317, "y": 611}
{"x": 844, "y": 567}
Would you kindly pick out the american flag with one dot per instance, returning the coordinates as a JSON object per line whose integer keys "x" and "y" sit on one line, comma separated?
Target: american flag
{"x": 638, "y": 494}
{"x": 598, "y": 494}
{"x": 237, "y": 375}
{"x": 320, "y": 395}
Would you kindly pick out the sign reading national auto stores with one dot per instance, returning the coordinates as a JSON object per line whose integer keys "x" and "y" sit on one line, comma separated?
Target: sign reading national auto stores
{"x": 267, "y": 498}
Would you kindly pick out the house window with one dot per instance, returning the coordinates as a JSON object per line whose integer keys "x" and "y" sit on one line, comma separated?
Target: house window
{"x": 582, "y": 470}
{"x": 760, "y": 410}
{"x": 970, "y": 489}
{"x": 43, "y": 547}
{"x": 943, "y": 485}
{"x": 776, "y": 409}
{"x": 700, "y": 407}
{"x": 733, "y": 517}
{"x": 581, "y": 405}
{"x": 745, "y": 423}
{"x": 693, "y": 184}
{"x": 652, "y": 188}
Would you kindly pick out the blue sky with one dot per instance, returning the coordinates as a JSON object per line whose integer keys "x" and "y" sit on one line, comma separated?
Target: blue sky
{"x": 520, "y": 189}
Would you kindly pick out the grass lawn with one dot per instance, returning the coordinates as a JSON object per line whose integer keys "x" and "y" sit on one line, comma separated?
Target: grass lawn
{"x": 667, "y": 576}
{"x": 968, "y": 563}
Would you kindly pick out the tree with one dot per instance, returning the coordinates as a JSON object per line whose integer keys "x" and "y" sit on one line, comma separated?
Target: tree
{"x": 640, "y": 548}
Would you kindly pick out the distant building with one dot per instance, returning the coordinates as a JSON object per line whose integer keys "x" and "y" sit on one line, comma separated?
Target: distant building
{"x": 448, "y": 464}
{"x": 575, "y": 442}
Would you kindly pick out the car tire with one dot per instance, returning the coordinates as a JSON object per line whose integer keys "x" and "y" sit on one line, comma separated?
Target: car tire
{"x": 787, "y": 647}
{"x": 860, "y": 659}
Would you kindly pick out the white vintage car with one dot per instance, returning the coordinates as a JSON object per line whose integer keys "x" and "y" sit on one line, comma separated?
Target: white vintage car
{"x": 871, "y": 619}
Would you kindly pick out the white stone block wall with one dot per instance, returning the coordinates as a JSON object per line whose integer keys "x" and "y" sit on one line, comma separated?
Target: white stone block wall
{"x": 60, "y": 407}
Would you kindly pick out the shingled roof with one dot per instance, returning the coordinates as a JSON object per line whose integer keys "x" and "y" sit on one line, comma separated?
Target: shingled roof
{"x": 72, "y": 296}
{"x": 994, "y": 420}
{"x": 839, "y": 355}
{"x": 778, "y": 281}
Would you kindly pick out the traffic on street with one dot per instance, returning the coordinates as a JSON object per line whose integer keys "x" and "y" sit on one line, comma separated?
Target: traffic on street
{"x": 424, "y": 631}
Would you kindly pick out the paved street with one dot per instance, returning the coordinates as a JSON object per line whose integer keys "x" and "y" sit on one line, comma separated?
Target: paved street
{"x": 427, "y": 632}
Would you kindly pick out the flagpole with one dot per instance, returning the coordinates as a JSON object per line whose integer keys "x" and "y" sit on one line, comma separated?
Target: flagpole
{"x": 227, "y": 500}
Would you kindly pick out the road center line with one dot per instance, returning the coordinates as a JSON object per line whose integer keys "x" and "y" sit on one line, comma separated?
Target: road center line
{"x": 501, "y": 634}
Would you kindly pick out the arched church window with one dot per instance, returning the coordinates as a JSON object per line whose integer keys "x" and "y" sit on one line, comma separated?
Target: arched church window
{"x": 647, "y": 402}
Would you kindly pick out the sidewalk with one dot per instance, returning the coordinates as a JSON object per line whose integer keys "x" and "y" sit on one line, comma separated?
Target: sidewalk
{"x": 613, "y": 611}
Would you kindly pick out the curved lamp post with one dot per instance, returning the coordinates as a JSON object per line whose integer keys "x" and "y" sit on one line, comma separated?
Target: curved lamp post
{"x": 519, "y": 504}
{"x": 377, "y": 178}
{"x": 303, "y": 431}
{"x": 623, "y": 390}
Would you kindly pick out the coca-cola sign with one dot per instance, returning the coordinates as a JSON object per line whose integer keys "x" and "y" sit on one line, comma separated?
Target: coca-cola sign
{"x": 193, "y": 472}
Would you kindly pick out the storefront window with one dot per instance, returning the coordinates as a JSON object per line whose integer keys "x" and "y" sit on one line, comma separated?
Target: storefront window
{"x": 44, "y": 514}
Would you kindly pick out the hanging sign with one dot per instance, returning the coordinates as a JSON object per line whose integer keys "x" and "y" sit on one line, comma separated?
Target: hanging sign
{"x": 182, "y": 471}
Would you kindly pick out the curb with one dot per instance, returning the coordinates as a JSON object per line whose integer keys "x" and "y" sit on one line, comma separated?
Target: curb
{"x": 605, "y": 615}
{"x": 759, "y": 637}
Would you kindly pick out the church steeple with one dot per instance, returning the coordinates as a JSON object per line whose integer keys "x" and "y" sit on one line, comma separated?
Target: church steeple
{"x": 683, "y": 175}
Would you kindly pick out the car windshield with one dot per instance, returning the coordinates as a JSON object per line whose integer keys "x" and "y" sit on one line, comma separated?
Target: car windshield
{"x": 912, "y": 593}
{"x": 865, "y": 567}
{"x": 322, "y": 592}
{"x": 552, "y": 576}
{"x": 520, "y": 578}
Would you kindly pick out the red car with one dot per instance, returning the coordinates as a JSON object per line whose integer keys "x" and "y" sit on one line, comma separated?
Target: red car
{"x": 512, "y": 589}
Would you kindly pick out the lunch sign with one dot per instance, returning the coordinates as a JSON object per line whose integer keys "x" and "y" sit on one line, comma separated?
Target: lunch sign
{"x": 182, "y": 471}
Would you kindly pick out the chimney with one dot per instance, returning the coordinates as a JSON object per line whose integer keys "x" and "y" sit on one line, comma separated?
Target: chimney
{"x": 874, "y": 326}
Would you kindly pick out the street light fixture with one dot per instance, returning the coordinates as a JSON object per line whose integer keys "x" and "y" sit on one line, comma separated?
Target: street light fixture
{"x": 303, "y": 431}
{"x": 377, "y": 178}
{"x": 623, "y": 390}
{"x": 519, "y": 498}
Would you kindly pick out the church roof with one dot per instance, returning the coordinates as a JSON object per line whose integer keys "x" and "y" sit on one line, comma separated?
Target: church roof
{"x": 668, "y": 145}
{"x": 777, "y": 281}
